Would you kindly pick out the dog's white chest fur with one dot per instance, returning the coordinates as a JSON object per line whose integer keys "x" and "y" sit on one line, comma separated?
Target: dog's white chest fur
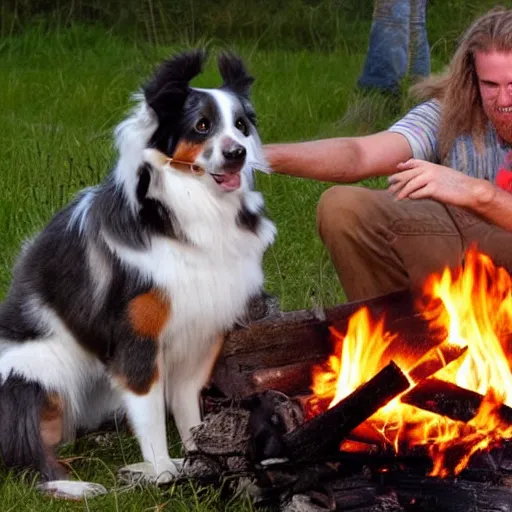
{"x": 210, "y": 279}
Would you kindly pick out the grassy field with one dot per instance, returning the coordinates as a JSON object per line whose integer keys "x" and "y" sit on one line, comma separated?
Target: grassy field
{"x": 63, "y": 91}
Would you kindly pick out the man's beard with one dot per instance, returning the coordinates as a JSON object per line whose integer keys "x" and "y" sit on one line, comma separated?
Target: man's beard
{"x": 503, "y": 125}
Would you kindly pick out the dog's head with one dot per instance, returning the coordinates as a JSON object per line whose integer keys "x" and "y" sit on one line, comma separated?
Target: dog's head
{"x": 210, "y": 132}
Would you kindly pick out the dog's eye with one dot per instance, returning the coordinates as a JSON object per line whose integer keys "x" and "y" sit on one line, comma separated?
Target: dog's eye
{"x": 242, "y": 126}
{"x": 203, "y": 126}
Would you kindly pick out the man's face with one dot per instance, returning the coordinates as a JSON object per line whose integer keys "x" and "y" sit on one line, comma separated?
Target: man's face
{"x": 494, "y": 71}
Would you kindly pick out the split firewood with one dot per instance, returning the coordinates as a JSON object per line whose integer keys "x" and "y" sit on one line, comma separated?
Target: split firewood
{"x": 286, "y": 378}
{"x": 450, "y": 400}
{"x": 436, "y": 359}
{"x": 266, "y": 354}
{"x": 323, "y": 433}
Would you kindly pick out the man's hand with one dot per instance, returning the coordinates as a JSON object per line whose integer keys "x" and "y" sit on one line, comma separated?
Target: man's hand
{"x": 418, "y": 179}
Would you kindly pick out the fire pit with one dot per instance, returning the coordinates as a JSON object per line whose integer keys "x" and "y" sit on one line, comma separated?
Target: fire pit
{"x": 396, "y": 403}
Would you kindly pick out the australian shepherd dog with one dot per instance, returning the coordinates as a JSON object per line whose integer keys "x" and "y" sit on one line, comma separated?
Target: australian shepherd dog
{"x": 120, "y": 304}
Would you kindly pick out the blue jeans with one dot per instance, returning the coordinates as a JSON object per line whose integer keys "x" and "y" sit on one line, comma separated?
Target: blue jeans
{"x": 398, "y": 44}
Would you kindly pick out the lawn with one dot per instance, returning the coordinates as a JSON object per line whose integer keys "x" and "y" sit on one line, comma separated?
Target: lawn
{"x": 62, "y": 93}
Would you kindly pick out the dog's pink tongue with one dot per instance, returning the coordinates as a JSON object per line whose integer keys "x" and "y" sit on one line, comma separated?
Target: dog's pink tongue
{"x": 230, "y": 181}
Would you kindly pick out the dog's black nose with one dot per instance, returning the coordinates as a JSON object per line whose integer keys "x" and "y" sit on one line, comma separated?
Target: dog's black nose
{"x": 235, "y": 153}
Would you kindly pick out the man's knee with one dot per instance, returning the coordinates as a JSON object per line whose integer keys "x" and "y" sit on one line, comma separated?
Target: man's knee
{"x": 344, "y": 209}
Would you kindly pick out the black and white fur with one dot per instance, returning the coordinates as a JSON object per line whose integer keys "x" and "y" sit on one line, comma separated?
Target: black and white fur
{"x": 67, "y": 331}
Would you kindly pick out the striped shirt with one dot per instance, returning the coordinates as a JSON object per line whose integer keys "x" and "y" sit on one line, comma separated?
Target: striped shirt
{"x": 420, "y": 127}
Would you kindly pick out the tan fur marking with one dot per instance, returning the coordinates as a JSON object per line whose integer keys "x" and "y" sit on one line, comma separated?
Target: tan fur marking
{"x": 186, "y": 152}
{"x": 125, "y": 382}
{"x": 148, "y": 314}
{"x": 51, "y": 421}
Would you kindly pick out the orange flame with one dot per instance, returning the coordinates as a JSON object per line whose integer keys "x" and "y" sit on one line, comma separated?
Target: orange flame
{"x": 473, "y": 307}
{"x": 365, "y": 343}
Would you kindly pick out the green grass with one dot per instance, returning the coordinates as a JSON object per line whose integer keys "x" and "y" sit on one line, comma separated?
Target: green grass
{"x": 64, "y": 90}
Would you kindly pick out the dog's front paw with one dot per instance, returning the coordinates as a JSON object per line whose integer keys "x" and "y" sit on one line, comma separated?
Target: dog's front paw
{"x": 145, "y": 472}
{"x": 71, "y": 490}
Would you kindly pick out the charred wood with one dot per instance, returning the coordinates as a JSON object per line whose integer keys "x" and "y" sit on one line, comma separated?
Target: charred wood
{"x": 436, "y": 359}
{"x": 286, "y": 379}
{"x": 355, "y": 498}
{"x": 449, "y": 400}
{"x": 323, "y": 434}
{"x": 297, "y": 340}
{"x": 431, "y": 494}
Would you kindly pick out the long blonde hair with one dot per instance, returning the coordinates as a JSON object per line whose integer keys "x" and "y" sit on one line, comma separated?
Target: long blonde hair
{"x": 457, "y": 88}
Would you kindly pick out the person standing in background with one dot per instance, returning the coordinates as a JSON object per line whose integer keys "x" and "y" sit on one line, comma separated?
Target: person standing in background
{"x": 398, "y": 45}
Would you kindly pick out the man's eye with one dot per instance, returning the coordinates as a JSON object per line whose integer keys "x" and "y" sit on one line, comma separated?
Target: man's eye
{"x": 242, "y": 126}
{"x": 203, "y": 125}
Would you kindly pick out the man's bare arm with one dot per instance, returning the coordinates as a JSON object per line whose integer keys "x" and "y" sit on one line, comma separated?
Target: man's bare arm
{"x": 493, "y": 204}
{"x": 343, "y": 159}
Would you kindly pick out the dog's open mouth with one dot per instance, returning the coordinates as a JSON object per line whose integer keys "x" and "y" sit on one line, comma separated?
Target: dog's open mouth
{"x": 227, "y": 181}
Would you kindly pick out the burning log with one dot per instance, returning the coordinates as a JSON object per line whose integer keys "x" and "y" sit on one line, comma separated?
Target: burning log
{"x": 369, "y": 434}
{"x": 324, "y": 433}
{"x": 271, "y": 353}
{"x": 450, "y": 400}
{"x": 436, "y": 359}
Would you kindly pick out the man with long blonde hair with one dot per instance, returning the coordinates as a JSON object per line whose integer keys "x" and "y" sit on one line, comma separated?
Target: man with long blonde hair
{"x": 449, "y": 162}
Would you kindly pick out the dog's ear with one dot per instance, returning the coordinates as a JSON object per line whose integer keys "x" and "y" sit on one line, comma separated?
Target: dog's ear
{"x": 166, "y": 92}
{"x": 234, "y": 74}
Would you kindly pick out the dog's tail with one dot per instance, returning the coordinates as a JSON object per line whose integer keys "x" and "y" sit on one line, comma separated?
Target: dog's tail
{"x": 22, "y": 406}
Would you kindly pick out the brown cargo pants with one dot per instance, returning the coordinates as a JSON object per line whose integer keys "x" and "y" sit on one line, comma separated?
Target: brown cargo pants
{"x": 379, "y": 245}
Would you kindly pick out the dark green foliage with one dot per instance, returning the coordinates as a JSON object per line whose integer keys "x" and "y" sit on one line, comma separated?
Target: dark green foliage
{"x": 322, "y": 25}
